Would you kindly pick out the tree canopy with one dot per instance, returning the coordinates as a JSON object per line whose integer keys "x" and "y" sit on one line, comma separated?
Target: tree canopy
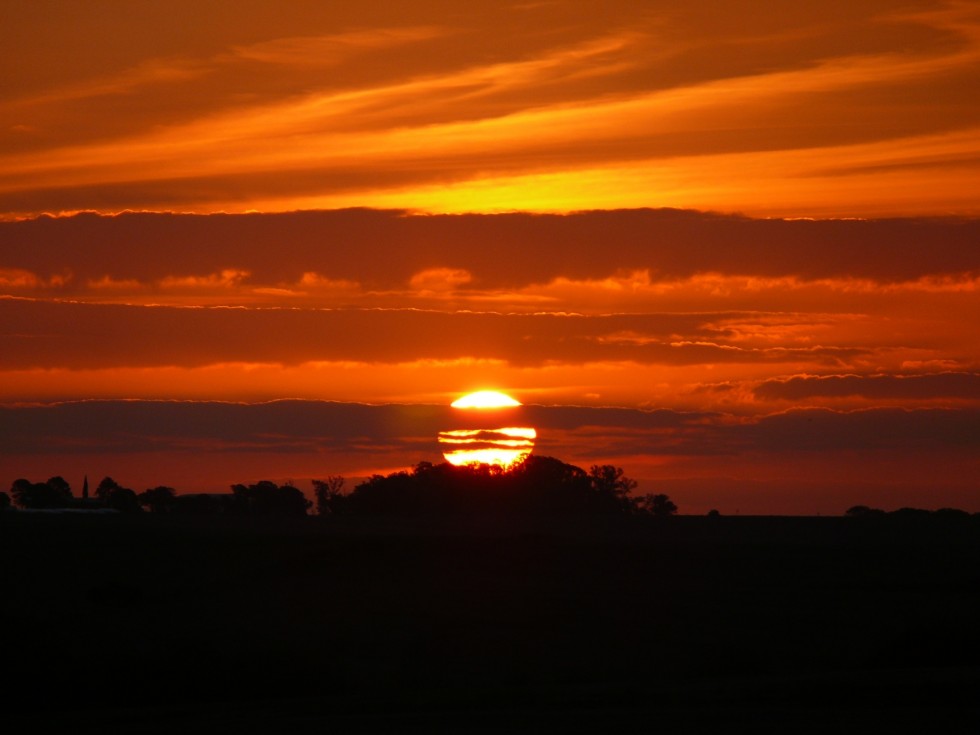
{"x": 539, "y": 485}
{"x": 158, "y": 499}
{"x": 55, "y": 493}
{"x": 267, "y": 498}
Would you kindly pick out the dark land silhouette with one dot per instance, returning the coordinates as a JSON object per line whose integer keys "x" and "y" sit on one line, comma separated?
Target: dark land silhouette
{"x": 536, "y": 486}
{"x": 481, "y": 618}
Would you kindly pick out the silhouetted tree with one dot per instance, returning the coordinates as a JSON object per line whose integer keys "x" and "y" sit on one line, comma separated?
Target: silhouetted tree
{"x": 200, "y": 504}
{"x": 124, "y": 500}
{"x": 29, "y": 494}
{"x": 610, "y": 480}
{"x": 950, "y": 513}
{"x": 714, "y": 513}
{"x": 267, "y": 498}
{"x": 659, "y": 505}
{"x": 4, "y": 501}
{"x": 610, "y": 484}
{"x": 106, "y": 487}
{"x": 538, "y": 485}
{"x": 118, "y": 497}
{"x": 158, "y": 499}
{"x": 548, "y": 485}
{"x": 910, "y": 513}
{"x": 863, "y": 511}
{"x": 22, "y": 491}
{"x": 384, "y": 494}
{"x": 60, "y": 486}
{"x": 328, "y": 494}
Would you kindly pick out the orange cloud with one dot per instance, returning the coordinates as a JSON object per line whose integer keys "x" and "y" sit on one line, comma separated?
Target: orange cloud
{"x": 313, "y": 280}
{"x": 108, "y": 283}
{"x": 227, "y": 278}
{"x": 798, "y": 121}
{"x": 959, "y": 385}
{"x": 327, "y": 50}
{"x": 440, "y": 280}
{"x": 18, "y": 279}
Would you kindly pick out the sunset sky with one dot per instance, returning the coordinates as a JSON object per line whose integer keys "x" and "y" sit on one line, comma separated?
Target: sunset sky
{"x": 732, "y": 248}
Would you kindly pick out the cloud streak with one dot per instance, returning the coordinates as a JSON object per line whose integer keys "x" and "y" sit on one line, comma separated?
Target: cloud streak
{"x": 57, "y": 335}
{"x": 375, "y": 113}
{"x": 905, "y": 387}
{"x": 384, "y": 250}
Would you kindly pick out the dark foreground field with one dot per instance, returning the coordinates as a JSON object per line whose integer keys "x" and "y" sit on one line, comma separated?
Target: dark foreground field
{"x": 165, "y": 624}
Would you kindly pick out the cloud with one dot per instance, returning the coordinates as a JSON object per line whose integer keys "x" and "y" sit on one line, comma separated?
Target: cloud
{"x": 227, "y": 278}
{"x": 904, "y": 387}
{"x": 671, "y": 302}
{"x": 56, "y": 335}
{"x": 409, "y": 433}
{"x": 440, "y": 279}
{"x": 109, "y": 284}
{"x": 655, "y": 251}
{"x": 19, "y": 280}
{"x": 893, "y": 429}
{"x": 327, "y": 50}
{"x": 423, "y": 108}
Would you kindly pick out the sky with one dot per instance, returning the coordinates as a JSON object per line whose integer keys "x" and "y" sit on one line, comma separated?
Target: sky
{"x": 734, "y": 250}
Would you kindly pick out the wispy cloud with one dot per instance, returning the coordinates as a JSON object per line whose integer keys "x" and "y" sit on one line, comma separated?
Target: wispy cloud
{"x": 906, "y": 387}
{"x": 627, "y": 114}
{"x": 327, "y": 50}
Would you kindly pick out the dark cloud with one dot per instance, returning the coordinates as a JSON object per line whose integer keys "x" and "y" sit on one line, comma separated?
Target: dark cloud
{"x": 605, "y": 419}
{"x": 80, "y": 335}
{"x": 308, "y": 426}
{"x": 100, "y": 427}
{"x": 904, "y": 387}
{"x": 383, "y": 249}
{"x": 892, "y": 429}
{"x": 808, "y": 431}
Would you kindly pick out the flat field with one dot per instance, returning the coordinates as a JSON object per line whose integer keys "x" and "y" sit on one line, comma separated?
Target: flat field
{"x": 164, "y": 624}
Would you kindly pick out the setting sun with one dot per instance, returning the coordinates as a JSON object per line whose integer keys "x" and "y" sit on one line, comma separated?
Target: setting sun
{"x": 487, "y": 443}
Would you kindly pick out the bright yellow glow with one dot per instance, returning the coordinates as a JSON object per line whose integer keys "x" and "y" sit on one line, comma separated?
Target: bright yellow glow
{"x": 505, "y": 446}
{"x": 520, "y": 438}
{"x": 514, "y": 431}
{"x": 505, "y": 458}
{"x": 485, "y": 399}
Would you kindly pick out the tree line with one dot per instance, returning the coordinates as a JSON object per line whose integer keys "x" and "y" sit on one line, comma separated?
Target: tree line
{"x": 538, "y": 485}
{"x": 262, "y": 498}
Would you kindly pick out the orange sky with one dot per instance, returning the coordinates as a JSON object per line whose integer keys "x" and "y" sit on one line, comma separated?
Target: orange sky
{"x": 509, "y": 165}
{"x": 806, "y": 109}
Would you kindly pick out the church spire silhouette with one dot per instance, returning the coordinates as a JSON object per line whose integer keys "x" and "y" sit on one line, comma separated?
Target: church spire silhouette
{"x": 85, "y": 488}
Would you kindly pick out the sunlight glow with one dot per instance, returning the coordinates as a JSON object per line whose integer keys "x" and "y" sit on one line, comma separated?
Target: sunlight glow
{"x": 505, "y": 447}
{"x": 485, "y": 399}
{"x": 505, "y": 458}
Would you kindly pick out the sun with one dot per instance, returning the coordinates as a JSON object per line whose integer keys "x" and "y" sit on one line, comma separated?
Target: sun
{"x": 485, "y": 399}
{"x": 488, "y": 435}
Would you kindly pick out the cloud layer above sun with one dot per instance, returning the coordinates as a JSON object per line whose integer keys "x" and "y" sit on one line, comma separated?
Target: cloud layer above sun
{"x": 805, "y": 109}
